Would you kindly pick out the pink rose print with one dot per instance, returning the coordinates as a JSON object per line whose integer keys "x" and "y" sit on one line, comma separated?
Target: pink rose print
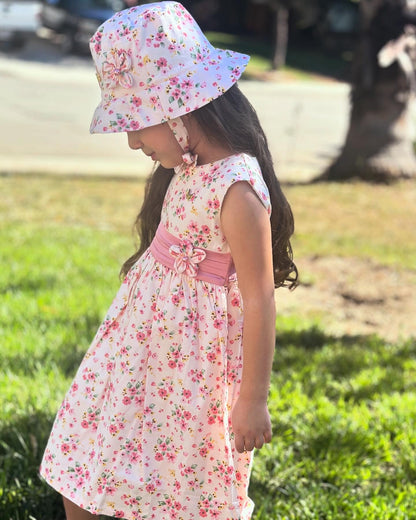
{"x": 65, "y": 448}
{"x": 176, "y": 94}
{"x": 187, "y": 84}
{"x": 116, "y": 69}
{"x": 187, "y": 257}
{"x": 137, "y": 102}
{"x": 150, "y": 396}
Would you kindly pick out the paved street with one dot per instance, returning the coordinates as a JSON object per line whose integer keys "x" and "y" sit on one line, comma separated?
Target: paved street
{"x": 47, "y": 101}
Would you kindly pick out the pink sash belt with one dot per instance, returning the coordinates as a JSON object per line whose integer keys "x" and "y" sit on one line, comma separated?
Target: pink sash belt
{"x": 196, "y": 262}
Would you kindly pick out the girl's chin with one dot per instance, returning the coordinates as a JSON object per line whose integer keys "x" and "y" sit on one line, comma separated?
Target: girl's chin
{"x": 168, "y": 164}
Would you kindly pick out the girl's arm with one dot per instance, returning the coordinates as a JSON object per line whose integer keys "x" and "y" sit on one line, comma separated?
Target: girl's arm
{"x": 246, "y": 226}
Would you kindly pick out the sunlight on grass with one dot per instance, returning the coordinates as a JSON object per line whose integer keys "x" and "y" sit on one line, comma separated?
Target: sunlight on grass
{"x": 343, "y": 407}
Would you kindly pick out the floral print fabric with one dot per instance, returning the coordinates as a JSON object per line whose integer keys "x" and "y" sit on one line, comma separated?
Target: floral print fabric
{"x": 144, "y": 431}
{"x": 154, "y": 64}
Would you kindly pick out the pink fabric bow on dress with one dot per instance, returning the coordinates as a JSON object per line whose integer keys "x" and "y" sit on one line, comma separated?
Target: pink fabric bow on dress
{"x": 187, "y": 257}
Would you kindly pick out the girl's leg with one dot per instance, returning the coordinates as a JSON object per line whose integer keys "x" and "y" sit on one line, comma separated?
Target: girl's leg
{"x": 74, "y": 512}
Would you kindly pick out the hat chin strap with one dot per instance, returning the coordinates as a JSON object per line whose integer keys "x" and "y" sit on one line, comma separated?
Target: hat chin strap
{"x": 181, "y": 135}
{"x": 180, "y": 132}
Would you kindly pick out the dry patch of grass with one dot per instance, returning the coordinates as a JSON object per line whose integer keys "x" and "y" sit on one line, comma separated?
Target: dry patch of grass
{"x": 95, "y": 203}
{"x": 352, "y": 219}
{"x": 356, "y": 219}
{"x": 349, "y": 220}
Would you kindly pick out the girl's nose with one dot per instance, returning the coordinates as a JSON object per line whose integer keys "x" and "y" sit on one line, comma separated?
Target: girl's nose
{"x": 133, "y": 141}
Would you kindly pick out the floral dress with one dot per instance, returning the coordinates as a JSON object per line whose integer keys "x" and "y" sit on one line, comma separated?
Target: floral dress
{"x": 144, "y": 431}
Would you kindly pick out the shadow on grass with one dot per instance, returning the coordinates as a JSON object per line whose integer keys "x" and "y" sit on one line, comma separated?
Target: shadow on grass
{"x": 23, "y": 495}
{"x": 308, "y": 339}
{"x": 305, "y": 57}
{"x": 349, "y": 367}
{"x": 313, "y": 60}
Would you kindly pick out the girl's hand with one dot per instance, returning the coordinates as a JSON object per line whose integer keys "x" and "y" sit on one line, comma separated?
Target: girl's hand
{"x": 251, "y": 424}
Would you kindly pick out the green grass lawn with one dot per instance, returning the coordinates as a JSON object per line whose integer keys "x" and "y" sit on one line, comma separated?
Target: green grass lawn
{"x": 343, "y": 408}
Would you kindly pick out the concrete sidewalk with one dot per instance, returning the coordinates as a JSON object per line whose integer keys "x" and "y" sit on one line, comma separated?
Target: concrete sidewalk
{"x": 47, "y": 107}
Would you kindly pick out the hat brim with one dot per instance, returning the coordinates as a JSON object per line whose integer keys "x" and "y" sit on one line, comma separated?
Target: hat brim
{"x": 182, "y": 93}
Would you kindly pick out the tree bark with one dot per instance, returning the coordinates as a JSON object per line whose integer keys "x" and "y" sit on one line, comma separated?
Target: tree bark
{"x": 281, "y": 36}
{"x": 379, "y": 141}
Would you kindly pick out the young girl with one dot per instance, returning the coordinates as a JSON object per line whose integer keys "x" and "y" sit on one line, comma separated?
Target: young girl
{"x": 171, "y": 398}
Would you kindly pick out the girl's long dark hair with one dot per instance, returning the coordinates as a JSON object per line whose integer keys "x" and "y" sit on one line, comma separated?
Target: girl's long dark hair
{"x": 230, "y": 120}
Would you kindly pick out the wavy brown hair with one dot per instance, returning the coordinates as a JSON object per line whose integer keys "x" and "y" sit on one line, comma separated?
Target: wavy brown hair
{"x": 230, "y": 120}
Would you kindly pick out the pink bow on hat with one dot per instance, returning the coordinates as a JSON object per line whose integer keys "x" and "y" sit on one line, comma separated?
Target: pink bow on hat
{"x": 116, "y": 69}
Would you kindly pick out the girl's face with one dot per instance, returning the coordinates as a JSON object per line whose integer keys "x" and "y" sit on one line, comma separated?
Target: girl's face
{"x": 157, "y": 142}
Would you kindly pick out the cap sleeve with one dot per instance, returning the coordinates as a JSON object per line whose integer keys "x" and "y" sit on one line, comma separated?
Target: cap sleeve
{"x": 246, "y": 168}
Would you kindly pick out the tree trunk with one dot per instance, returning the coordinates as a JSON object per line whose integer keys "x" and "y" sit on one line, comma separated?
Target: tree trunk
{"x": 281, "y": 36}
{"x": 379, "y": 141}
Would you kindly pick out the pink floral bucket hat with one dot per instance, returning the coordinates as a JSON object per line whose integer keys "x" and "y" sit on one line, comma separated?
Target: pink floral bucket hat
{"x": 154, "y": 64}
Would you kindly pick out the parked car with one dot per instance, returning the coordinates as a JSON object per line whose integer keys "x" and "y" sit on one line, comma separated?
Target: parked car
{"x": 75, "y": 21}
{"x": 19, "y": 21}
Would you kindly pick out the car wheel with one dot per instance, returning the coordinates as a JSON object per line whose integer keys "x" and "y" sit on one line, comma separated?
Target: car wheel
{"x": 14, "y": 43}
